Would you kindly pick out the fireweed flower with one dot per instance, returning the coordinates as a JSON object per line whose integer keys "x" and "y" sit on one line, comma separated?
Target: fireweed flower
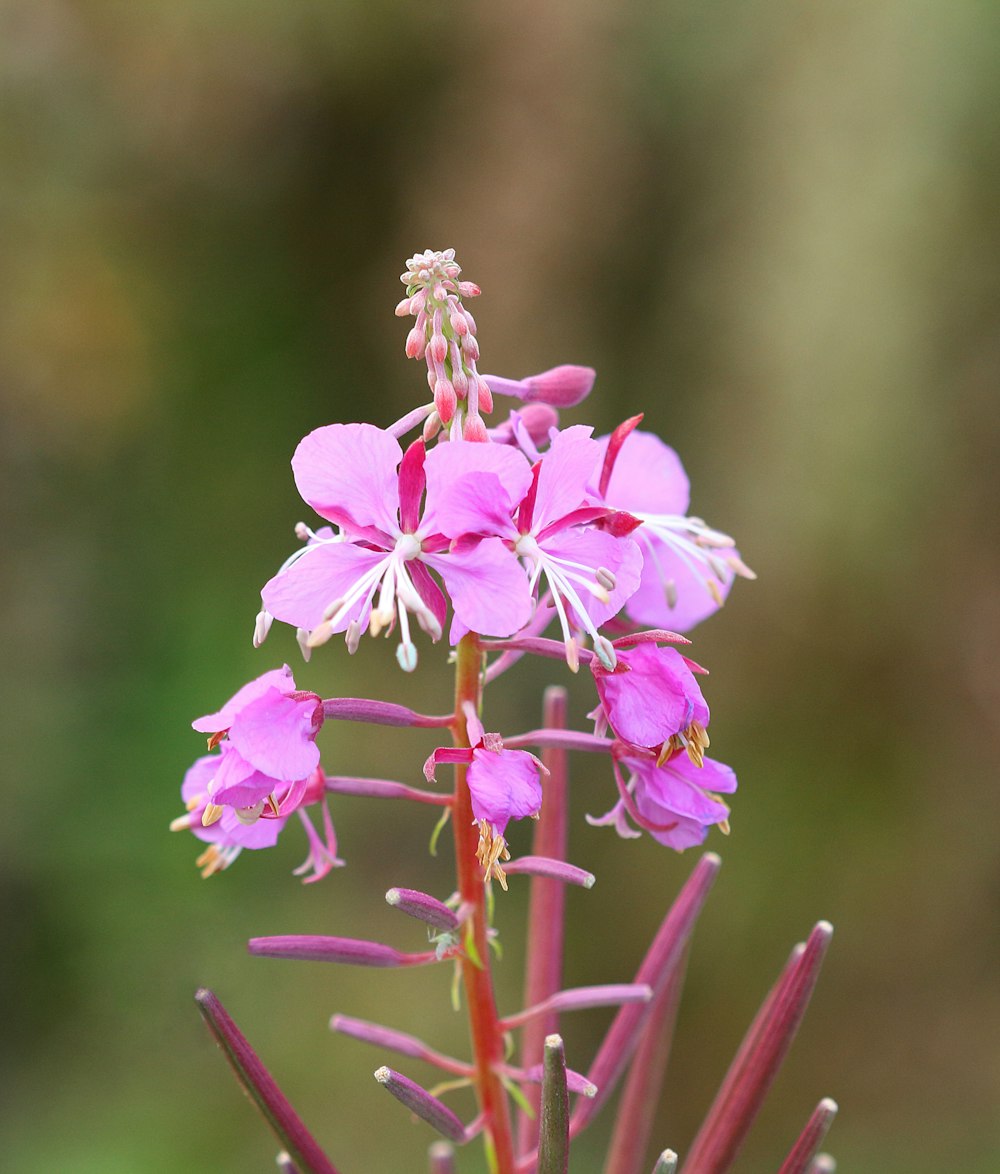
{"x": 378, "y": 571}
{"x": 255, "y": 827}
{"x": 228, "y": 835}
{"x": 504, "y": 785}
{"x": 590, "y": 573}
{"x": 676, "y": 802}
{"x": 652, "y": 699}
{"x": 267, "y": 733}
{"x": 688, "y": 567}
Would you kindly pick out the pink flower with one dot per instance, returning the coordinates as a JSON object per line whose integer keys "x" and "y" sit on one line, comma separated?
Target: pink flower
{"x": 688, "y": 568}
{"x": 377, "y": 573}
{"x": 676, "y": 802}
{"x": 503, "y": 785}
{"x": 652, "y": 699}
{"x": 267, "y": 733}
{"x": 254, "y": 827}
{"x": 589, "y": 572}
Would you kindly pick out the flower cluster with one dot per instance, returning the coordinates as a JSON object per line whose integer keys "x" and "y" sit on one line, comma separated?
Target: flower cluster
{"x": 498, "y": 532}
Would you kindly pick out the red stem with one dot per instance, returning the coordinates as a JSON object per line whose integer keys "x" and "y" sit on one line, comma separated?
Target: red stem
{"x": 641, "y": 1095}
{"x": 484, "y": 1026}
{"x": 546, "y": 914}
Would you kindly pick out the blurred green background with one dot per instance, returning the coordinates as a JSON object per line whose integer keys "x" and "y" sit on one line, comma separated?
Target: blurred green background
{"x": 772, "y": 227}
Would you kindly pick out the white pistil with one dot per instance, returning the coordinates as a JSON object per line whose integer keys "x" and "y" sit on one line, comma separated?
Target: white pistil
{"x": 249, "y": 815}
{"x": 561, "y": 575}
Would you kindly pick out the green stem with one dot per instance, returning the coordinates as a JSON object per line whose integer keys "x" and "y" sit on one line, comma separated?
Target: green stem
{"x": 484, "y": 1027}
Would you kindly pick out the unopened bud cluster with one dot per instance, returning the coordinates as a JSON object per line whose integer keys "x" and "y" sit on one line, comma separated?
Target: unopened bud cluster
{"x": 444, "y": 336}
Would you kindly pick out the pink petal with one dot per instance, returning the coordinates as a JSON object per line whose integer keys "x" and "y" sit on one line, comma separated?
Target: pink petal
{"x": 567, "y": 469}
{"x": 649, "y": 604}
{"x": 301, "y": 594}
{"x": 504, "y": 785}
{"x": 487, "y": 586}
{"x": 347, "y": 473}
{"x": 236, "y": 782}
{"x": 473, "y": 488}
{"x": 655, "y": 698}
{"x": 213, "y": 723}
{"x": 648, "y": 477}
{"x": 679, "y": 787}
{"x": 275, "y": 735}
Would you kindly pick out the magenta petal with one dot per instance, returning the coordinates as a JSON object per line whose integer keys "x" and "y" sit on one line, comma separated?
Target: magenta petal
{"x": 213, "y": 723}
{"x": 198, "y": 777}
{"x": 654, "y": 698}
{"x": 237, "y": 783}
{"x": 347, "y": 473}
{"x": 487, "y": 586}
{"x": 679, "y": 787}
{"x": 504, "y": 785}
{"x": 275, "y": 735}
{"x": 473, "y": 488}
{"x": 301, "y": 594}
{"x": 567, "y": 469}
{"x": 648, "y": 477}
{"x": 429, "y": 592}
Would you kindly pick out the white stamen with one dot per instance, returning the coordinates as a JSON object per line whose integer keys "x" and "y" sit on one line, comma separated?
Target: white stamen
{"x": 261, "y": 627}
{"x": 302, "y": 637}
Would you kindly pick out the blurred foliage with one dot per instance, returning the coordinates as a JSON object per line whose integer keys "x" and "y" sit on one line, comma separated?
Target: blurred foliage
{"x": 771, "y": 227}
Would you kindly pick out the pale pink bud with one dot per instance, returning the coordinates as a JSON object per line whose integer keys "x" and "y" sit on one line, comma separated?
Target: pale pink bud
{"x": 471, "y": 322}
{"x": 460, "y": 381}
{"x": 469, "y": 289}
{"x": 474, "y": 429}
{"x": 403, "y": 308}
{"x": 470, "y": 347}
{"x": 415, "y": 343}
{"x": 417, "y": 301}
{"x": 440, "y": 293}
{"x": 438, "y": 348}
{"x": 432, "y": 426}
{"x": 485, "y": 397}
{"x": 444, "y": 400}
{"x": 458, "y": 322}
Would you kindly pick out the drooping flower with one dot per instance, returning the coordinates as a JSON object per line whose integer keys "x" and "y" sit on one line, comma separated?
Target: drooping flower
{"x": 503, "y": 785}
{"x": 377, "y": 573}
{"x": 676, "y": 802}
{"x": 590, "y": 572}
{"x": 653, "y": 699}
{"x": 688, "y": 567}
{"x": 255, "y": 827}
{"x": 267, "y": 738}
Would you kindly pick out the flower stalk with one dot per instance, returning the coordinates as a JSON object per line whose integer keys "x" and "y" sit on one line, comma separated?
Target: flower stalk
{"x": 484, "y": 1025}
